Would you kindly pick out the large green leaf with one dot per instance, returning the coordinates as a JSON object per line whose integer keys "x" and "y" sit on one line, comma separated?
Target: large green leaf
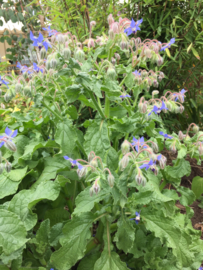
{"x": 175, "y": 237}
{"x": 88, "y": 262}
{"x": 22, "y": 203}
{"x": 52, "y": 166}
{"x": 76, "y": 234}
{"x": 125, "y": 234}
{"x": 66, "y": 137}
{"x": 187, "y": 196}
{"x": 111, "y": 159}
{"x": 85, "y": 203}
{"x": 12, "y": 232}
{"x": 181, "y": 168}
{"x": 110, "y": 262}
{"x": 96, "y": 138}
{"x": 197, "y": 186}
{"x": 9, "y": 181}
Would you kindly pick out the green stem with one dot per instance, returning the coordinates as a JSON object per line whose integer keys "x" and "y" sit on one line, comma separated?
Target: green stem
{"x": 163, "y": 185}
{"x": 81, "y": 148}
{"x": 96, "y": 104}
{"x": 107, "y": 107}
{"x": 70, "y": 205}
{"x": 48, "y": 108}
{"x": 108, "y": 237}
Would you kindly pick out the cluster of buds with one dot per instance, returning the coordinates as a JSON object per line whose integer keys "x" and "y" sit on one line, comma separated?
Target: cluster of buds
{"x": 92, "y": 166}
{"x": 7, "y": 139}
{"x": 164, "y": 104}
{"x": 142, "y": 153}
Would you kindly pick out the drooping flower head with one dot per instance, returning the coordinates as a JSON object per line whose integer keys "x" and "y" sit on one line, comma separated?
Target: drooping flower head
{"x": 3, "y": 82}
{"x": 180, "y": 96}
{"x": 165, "y": 135}
{"x": 7, "y": 137}
{"x": 38, "y": 42}
{"x": 50, "y": 31}
{"x": 137, "y": 217}
{"x": 138, "y": 142}
{"x": 136, "y": 73}
{"x": 74, "y": 162}
{"x": 23, "y": 68}
{"x": 157, "y": 110}
{"x": 36, "y": 68}
{"x": 133, "y": 28}
{"x": 168, "y": 44}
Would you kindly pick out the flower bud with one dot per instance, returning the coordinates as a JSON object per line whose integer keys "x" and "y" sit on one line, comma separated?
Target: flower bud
{"x": 94, "y": 164}
{"x": 113, "y": 61}
{"x": 139, "y": 178}
{"x": 117, "y": 56}
{"x": 60, "y": 39}
{"x": 195, "y": 129}
{"x": 8, "y": 167}
{"x": 148, "y": 53}
{"x": 169, "y": 105}
{"x": 115, "y": 27}
{"x": 153, "y": 156}
{"x": 110, "y": 19}
{"x": 187, "y": 138}
{"x": 155, "y": 83}
{"x": 91, "y": 43}
{"x": 81, "y": 173}
{"x": 162, "y": 162}
{"x": 160, "y": 62}
{"x": 1, "y": 168}
{"x": 7, "y": 97}
{"x": 91, "y": 191}
{"x": 80, "y": 55}
{"x": 25, "y": 75}
{"x": 53, "y": 38}
{"x": 66, "y": 53}
{"x": 48, "y": 64}
{"x": 3, "y": 106}
{"x": 123, "y": 163}
{"x": 53, "y": 63}
{"x": 66, "y": 39}
{"x": 111, "y": 73}
{"x": 181, "y": 109}
{"x": 172, "y": 148}
{"x": 43, "y": 53}
{"x": 181, "y": 135}
{"x": 18, "y": 87}
{"x": 155, "y": 147}
{"x": 10, "y": 145}
{"x": 125, "y": 147}
{"x": 200, "y": 149}
{"x": 111, "y": 34}
{"x": 123, "y": 45}
{"x": 91, "y": 156}
{"x": 92, "y": 23}
{"x": 27, "y": 90}
{"x": 155, "y": 92}
{"x": 96, "y": 186}
{"x": 111, "y": 180}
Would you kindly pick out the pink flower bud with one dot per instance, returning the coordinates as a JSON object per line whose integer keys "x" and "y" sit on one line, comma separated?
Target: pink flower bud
{"x": 162, "y": 162}
{"x": 117, "y": 56}
{"x": 92, "y": 23}
{"x": 181, "y": 136}
{"x": 172, "y": 148}
{"x": 110, "y": 19}
{"x": 160, "y": 62}
{"x": 91, "y": 156}
{"x": 113, "y": 61}
{"x": 115, "y": 27}
{"x": 123, "y": 45}
{"x": 82, "y": 172}
{"x": 53, "y": 38}
{"x": 200, "y": 149}
{"x": 155, "y": 83}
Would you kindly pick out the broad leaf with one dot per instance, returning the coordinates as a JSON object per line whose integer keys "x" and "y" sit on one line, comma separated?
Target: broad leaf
{"x": 110, "y": 262}
{"x": 197, "y": 186}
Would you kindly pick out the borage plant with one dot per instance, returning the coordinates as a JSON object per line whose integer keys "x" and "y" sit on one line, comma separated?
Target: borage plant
{"x": 87, "y": 185}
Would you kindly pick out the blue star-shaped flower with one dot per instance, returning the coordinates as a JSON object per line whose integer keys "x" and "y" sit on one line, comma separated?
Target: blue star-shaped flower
{"x": 134, "y": 27}
{"x": 124, "y": 96}
{"x": 8, "y": 135}
{"x": 23, "y": 69}
{"x": 36, "y": 68}
{"x": 138, "y": 143}
{"x": 4, "y": 82}
{"x": 165, "y": 135}
{"x": 136, "y": 73}
{"x": 74, "y": 162}
{"x": 50, "y": 31}
{"x": 181, "y": 93}
{"x": 137, "y": 217}
{"x": 157, "y": 110}
{"x": 38, "y": 42}
{"x": 147, "y": 165}
{"x": 168, "y": 45}
{"x": 201, "y": 268}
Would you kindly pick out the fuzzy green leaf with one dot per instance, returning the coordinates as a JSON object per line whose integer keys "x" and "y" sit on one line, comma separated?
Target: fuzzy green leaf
{"x": 73, "y": 242}
{"x": 197, "y": 186}
{"x": 22, "y": 202}
{"x": 96, "y": 138}
{"x": 110, "y": 262}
